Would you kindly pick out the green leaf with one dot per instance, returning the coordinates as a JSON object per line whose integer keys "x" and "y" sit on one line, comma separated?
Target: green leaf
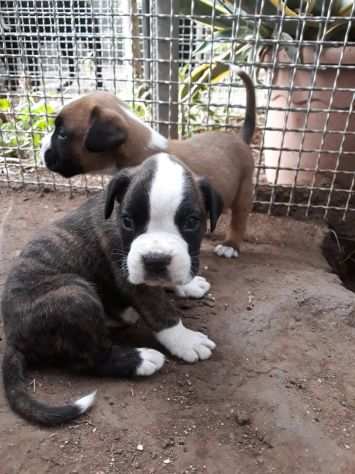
{"x": 218, "y": 72}
{"x": 43, "y": 108}
{"x": 337, "y": 32}
{"x": 207, "y": 73}
{"x": 5, "y": 105}
{"x": 269, "y": 7}
{"x": 204, "y": 9}
{"x": 344, "y": 8}
{"x": 37, "y": 139}
{"x": 41, "y": 124}
{"x": 283, "y": 7}
{"x": 196, "y": 74}
{"x": 206, "y": 46}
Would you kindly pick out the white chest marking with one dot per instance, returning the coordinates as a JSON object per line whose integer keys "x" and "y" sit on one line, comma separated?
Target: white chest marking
{"x": 45, "y": 145}
{"x": 157, "y": 142}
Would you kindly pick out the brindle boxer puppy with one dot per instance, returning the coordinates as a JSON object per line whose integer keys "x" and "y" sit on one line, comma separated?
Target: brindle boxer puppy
{"x": 98, "y": 132}
{"x": 87, "y": 267}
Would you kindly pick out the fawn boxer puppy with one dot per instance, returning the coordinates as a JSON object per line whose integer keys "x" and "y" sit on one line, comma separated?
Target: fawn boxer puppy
{"x": 86, "y": 268}
{"x": 98, "y": 132}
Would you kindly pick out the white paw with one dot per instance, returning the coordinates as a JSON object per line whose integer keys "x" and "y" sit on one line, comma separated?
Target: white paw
{"x": 197, "y": 288}
{"x": 226, "y": 251}
{"x": 188, "y": 345}
{"x": 152, "y": 361}
{"x": 130, "y": 316}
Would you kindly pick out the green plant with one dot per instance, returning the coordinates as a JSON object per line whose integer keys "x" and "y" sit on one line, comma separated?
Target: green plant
{"x": 324, "y": 21}
{"x": 143, "y": 95}
{"x": 22, "y": 127}
{"x": 193, "y": 112}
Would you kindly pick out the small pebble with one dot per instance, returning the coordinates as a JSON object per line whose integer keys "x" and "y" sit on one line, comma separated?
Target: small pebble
{"x": 170, "y": 442}
{"x": 242, "y": 418}
{"x": 209, "y": 303}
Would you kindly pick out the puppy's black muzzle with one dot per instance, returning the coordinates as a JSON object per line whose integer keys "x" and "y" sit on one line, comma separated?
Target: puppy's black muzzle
{"x": 51, "y": 160}
{"x": 66, "y": 168}
{"x": 156, "y": 265}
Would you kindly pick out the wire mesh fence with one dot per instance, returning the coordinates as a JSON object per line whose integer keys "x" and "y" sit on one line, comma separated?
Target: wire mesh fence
{"x": 168, "y": 59}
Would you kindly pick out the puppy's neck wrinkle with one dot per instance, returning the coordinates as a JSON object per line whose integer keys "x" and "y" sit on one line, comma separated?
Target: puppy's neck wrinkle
{"x": 106, "y": 233}
{"x": 131, "y": 154}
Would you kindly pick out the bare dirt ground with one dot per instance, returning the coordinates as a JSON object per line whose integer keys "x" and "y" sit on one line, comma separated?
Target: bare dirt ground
{"x": 278, "y": 395}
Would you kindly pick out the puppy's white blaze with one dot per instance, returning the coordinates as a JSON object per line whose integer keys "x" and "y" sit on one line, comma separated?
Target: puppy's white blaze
{"x": 45, "y": 145}
{"x": 86, "y": 402}
{"x": 166, "y": 194}
{"x": 157, "y": 141}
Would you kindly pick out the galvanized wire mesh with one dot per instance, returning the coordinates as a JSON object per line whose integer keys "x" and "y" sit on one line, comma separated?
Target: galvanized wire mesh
{"x": 167, "y": 59}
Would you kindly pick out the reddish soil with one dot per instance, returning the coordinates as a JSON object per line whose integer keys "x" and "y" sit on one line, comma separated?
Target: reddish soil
{"x": 277, "y": 396}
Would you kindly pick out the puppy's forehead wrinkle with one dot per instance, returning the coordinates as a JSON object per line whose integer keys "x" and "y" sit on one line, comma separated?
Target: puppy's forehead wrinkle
{"x": 136, "y": 201}
{"x": 142, "y": 181}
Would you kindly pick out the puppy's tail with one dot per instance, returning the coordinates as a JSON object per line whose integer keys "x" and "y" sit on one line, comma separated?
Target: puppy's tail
{"x": 248, "y": 127}
{"x": 32, "y": 410}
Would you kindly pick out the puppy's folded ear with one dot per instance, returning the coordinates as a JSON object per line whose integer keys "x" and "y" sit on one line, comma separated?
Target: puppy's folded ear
{"x": 213, "y": 201}
{"x": 116, "y": 190}
{"x": 107, "y": 130}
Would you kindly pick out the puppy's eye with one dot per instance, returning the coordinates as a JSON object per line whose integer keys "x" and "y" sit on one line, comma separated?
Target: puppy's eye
{"x": 127, "y": 222}
{"x": 62, "y": 134}
{"x": 191, "y": 223}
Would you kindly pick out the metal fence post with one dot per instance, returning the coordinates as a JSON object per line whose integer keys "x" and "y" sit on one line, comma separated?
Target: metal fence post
{"x": 167, "y": 68}
{"x": 146, "y": 10}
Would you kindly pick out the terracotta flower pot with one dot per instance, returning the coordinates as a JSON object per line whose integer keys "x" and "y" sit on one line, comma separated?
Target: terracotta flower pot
{"x": 303, "y": 150}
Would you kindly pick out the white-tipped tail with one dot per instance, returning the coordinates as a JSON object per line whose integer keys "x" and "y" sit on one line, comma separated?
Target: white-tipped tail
{"x": 86, "y": 402}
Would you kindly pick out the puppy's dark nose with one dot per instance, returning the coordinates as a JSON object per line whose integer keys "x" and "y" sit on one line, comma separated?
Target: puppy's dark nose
{"x": 156, "y": 263}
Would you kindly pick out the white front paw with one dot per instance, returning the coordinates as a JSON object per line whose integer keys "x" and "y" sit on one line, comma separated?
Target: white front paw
{"x": 226, "y": 251}
{"x": 151, "y": 361}
{"x": 188, "y": 345}
{"x": 197, "y": 288}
